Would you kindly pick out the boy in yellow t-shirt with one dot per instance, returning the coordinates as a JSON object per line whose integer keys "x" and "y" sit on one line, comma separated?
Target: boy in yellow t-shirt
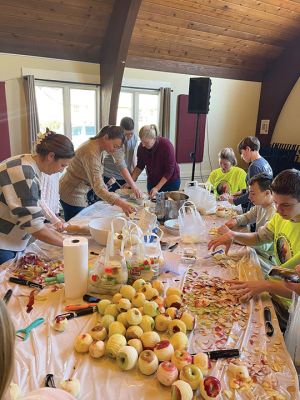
{"x": 284, "y": 231}
{"x": 228, "y": 178}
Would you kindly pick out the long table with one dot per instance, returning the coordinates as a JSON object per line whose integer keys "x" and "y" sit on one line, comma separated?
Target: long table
{"x": 49, "y": 351}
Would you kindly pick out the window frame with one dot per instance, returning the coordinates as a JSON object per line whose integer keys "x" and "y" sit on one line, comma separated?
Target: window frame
{"x": 135, "y": 99}
{"x": 66, "y": 87}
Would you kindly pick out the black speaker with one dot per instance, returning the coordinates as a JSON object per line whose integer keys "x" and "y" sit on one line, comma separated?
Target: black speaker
{"x": 199, "y": 95}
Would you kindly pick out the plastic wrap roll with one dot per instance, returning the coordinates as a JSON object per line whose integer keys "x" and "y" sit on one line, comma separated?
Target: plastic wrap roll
{"x": 75, "y": 251}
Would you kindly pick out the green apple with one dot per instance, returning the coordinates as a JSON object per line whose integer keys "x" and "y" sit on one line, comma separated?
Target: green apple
{"x": 192, "y": 375}
{"x": 116, "y": 327}
{"x": 127, "y": 357}
{"x": 147, "y": 323}
{"x": 102, "y": 305}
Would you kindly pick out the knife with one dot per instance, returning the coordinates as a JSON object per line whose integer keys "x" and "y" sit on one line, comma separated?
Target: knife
{"x": 213, "y": 253}
{"x": 7, "y": 296}
{"x": 216, "y": 354}
{"x": 268, "y": 321}
{"x": 78, "y": 313}
{"x": 25, "y": 282}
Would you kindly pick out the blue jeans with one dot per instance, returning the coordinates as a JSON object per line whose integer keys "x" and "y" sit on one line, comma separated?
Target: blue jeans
{"x": 70, "y": 211}
{"x": 6, "y": 255}
{"x": 168, "y": 187}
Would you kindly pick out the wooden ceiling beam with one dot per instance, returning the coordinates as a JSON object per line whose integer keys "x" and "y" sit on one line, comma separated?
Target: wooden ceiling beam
{"x": 114, "y": 54}
{"x": 277, "y": 84}
{"x": 192, "y": 69}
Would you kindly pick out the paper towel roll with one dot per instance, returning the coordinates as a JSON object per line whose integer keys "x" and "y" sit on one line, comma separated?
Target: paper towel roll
{"x": 75, "y": 251}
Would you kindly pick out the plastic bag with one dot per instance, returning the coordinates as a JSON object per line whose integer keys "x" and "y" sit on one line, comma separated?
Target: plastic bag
{"x": 143, "y": 260}
{"x": 110, "y": 271}
{"x": 204, "y": 201}
{"x": 292, "y": 337}
{"x": 191, "y": 225}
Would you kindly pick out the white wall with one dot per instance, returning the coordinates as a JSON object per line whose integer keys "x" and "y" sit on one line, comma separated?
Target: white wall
{"x": 233, "y": 104}
{"x": 287, "y": 129}
{"x": 232, "y": 115}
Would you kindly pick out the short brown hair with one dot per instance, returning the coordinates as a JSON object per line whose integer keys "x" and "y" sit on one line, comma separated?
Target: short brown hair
{"x": 52, "y": 142}
{"x": 228, "y": 154}
{"x": 287, "y": 182}
{"x": 249, "y": 141}
{"x": 127, "y": 123}
{"x": 263, "y": 180}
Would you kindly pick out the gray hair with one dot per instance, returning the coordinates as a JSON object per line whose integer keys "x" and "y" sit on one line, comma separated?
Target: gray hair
{"x": 228, "y": 154}
{"x": 149, "y": 131}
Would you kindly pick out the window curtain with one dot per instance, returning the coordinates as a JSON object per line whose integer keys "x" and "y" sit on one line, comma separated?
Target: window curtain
{"x": 32, "y": 112}
{"x": 4, "y": 130}
{"x": 164, "y": 114}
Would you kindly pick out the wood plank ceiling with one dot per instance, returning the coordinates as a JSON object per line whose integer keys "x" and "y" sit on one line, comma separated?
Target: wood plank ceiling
{"x": 236, "y": 38}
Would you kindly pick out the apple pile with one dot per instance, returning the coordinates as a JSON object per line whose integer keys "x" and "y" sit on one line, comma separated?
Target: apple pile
{"x": 126, "y": 333}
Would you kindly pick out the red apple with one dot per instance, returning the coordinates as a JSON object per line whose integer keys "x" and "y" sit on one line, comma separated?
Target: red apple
{"x": 210, "y": 387}
{"x": 167, "y": 373}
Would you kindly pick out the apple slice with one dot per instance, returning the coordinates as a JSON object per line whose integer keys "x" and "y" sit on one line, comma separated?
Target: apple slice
{"x": 181, "y": 390}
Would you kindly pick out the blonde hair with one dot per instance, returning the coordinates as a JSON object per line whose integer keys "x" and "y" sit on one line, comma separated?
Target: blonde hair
{"x": 149, "y": 131}
{"x": 7, "y": 346}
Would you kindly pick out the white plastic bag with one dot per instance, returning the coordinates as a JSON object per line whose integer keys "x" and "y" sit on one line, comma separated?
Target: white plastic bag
{"x": 200, "y": 195}
{"x": 110, "y": 271}
{"x": 191, "y": 225}
{"x": 292, "y": 337}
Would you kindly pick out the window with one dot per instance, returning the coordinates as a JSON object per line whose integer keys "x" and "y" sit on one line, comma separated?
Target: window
{"x": 140, "y": 104}
{"x": 70, "y": 109}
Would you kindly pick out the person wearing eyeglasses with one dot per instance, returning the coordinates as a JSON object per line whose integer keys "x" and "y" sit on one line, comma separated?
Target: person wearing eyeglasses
{"x": 157, "y": 155}
{"x": 85, "y": 172}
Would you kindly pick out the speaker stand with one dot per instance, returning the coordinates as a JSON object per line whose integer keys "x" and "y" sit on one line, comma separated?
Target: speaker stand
{"x": 193, "y": 154}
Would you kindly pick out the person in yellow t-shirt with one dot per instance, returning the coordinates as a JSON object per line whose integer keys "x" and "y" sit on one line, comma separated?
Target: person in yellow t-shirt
{"x": 284, "y": 231}
{"x": 228, "y": 178}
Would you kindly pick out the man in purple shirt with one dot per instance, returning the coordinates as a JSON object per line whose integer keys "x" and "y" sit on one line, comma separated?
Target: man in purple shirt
{"x": 157, "y": 154}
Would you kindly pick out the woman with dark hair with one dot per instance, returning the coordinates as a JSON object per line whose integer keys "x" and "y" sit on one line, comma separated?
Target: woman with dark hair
{"x": 228, "y": 178}
{"x": 21, "y": 214}
{"x": 85, "y": 172}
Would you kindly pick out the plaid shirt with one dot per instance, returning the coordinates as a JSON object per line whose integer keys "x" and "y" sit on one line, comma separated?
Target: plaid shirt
{"x": 20, "y": 212}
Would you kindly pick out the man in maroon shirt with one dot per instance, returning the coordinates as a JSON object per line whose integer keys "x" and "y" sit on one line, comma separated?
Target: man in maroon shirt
{"x": 157, "y": 154}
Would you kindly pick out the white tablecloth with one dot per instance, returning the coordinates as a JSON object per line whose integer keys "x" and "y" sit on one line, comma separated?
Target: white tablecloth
{"x": 48, "y": 351}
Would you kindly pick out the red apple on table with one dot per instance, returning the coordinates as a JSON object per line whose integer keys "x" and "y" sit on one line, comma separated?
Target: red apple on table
{"x": 167, "y": 373}
{"x": 210, "y": 388}
{"x": 164, "y": 350}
